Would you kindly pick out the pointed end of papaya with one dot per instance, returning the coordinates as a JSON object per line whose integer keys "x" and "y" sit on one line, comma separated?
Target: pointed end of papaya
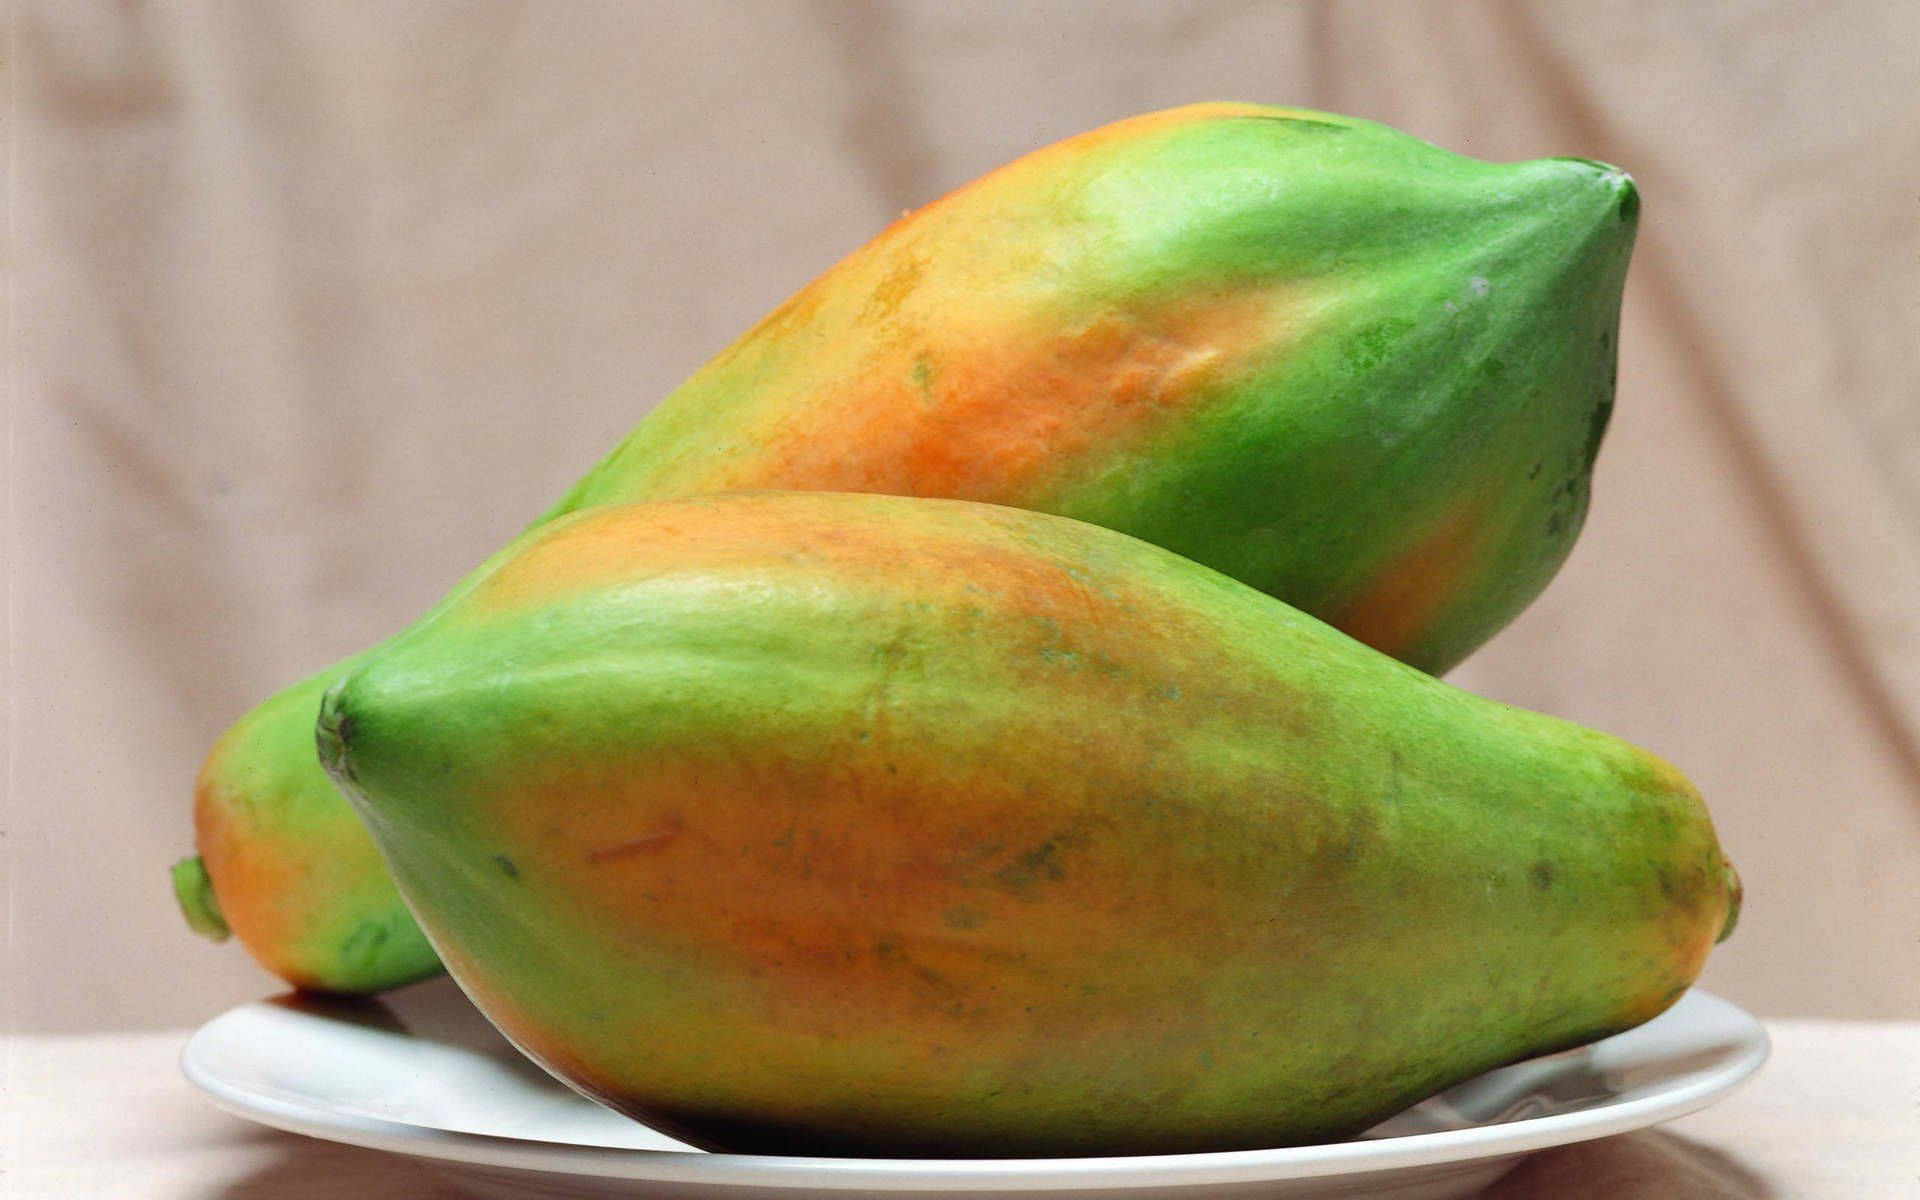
{"x": 1626, "y": 198}
{"x": 333, "y": 734}
{"x": 194, "y": 890}
{"x": 1614, "y": 188}
{"x": 1734, "y": 895}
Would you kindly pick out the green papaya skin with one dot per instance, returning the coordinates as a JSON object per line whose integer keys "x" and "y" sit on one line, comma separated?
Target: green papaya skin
{"x": 1349, "y": 368}
{"x": 808, "y": 823}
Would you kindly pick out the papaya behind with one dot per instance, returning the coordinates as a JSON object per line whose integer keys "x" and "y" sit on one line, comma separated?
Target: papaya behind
{"x": 805, "y": 823}
{"x": 1344, "y": 366}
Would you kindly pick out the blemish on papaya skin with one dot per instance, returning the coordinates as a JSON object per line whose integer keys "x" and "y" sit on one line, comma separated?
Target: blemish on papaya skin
{"x": 894, "y": 287}
{"x": 1030, "y": 868}
{"x": 960, "y": 919}
{"x": 653, "y": 839}
{"x": 1597, "y": 427}
{"x": 1396, "y": 777}
{"x": 1374, "y": 344}
{"x": 1022, "y": 874}
{"x": 1542, "y": 874}
{"x": 1669, "y": 888}
{"x": 365, "y": 942}
{"x": 1361, "y": 835}
{"x": 507, "y": 866}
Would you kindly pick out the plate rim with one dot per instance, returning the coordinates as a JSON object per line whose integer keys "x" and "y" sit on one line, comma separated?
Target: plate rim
{"x": 1478, "y": 1142}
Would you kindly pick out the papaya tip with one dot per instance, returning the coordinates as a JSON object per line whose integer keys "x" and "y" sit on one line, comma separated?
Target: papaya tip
{"x": 1735, "y": 893}
{"x": 1626, "y": 193}
{"x": 332, "y": 733}
{"x": 193, "y": 888}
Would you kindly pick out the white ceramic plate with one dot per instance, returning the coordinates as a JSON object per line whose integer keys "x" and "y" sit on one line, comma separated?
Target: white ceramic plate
{"x": 422, "y": 1073}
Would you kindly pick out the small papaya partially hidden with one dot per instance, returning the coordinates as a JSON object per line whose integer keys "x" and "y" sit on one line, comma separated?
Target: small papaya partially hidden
{"x": 282, "y": 866}
{"x": 847, "y": 824}
{"x": 1344, "y": 366}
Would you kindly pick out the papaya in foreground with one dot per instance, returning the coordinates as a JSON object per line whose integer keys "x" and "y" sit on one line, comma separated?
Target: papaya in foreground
{"x": 858, "y": 825}
{"x": 1342, "y": 365}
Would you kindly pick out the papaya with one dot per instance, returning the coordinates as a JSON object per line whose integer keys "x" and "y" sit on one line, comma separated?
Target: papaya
{"x": 816, "y": 823}
{"x": 1344, "y": 366}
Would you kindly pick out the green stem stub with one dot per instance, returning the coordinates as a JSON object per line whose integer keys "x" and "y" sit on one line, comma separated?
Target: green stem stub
{"x": 1734, "y": 895}
{"x": 195, "y": 892}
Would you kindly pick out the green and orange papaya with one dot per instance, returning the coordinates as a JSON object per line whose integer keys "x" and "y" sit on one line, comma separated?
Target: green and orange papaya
{"x": 814, "y": 823}
{"x": 1351, "y": 369}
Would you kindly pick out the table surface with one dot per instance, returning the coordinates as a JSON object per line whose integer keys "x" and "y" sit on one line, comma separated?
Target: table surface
{"x": 1834, "y": 1116}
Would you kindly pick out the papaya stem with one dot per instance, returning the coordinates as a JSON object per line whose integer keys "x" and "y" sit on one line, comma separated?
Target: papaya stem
{"x": 194, "y": 890}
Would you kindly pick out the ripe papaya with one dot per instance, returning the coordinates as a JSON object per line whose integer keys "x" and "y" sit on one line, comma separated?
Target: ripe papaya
{"x": 1344, "y": 366}
{"x": 815, "y": 823}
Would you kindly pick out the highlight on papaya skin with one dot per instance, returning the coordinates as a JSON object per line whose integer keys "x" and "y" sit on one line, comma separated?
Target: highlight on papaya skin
{"x": 1146, "y": 327}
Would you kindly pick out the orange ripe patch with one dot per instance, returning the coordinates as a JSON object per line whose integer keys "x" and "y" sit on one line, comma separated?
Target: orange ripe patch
{"x": 262, "y": 889}
{"x": 863, "y": 885}
{"x": 1405, "y": 597}
{"x": 964, "y": 352}
{"x": 983, "y": 414}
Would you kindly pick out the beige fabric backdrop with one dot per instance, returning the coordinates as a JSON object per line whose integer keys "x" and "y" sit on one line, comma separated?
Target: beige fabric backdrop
{"x": 317, "y": 304}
